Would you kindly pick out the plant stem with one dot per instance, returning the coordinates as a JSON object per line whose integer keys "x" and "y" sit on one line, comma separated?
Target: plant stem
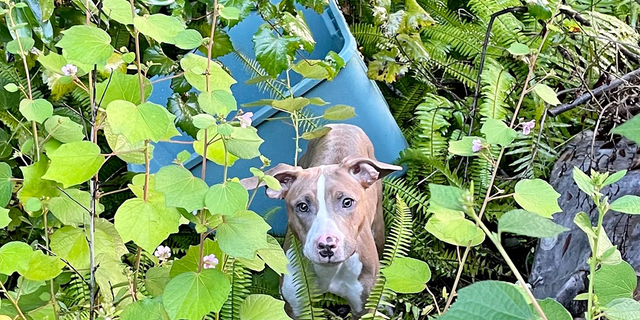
{"x": 13, "y": 301}
{"x": 510, "y": 263}
{"x": 134, "y": 289}
{"x": 46, "y": 242}
{"x": 593, "y": 262}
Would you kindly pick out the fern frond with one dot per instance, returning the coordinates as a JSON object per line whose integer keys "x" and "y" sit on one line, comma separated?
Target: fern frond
{"x": 303, "y": 279}
{"x": 496, "y": 85}
{"x": 240, "y": 278}
{"x": 410, "y": 194}
{"x": 370, "y": 37}
{"x": 433, "y": 115}
{"x": 274, "y": 88}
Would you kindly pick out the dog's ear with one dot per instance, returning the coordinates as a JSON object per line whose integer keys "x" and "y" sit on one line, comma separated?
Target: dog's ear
{"x": 367, "y": 171}
{"x": 284, "y": 173}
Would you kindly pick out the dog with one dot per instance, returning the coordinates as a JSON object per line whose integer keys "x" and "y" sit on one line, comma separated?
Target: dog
{"x": 334, "y": 210}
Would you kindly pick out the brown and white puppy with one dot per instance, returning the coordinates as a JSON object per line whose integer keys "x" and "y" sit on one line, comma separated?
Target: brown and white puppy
{"x": 334, "y": 209}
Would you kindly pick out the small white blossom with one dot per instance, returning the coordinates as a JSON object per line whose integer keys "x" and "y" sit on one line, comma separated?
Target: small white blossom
{"x": 527, "y": 126}
{"x": 477, "y": 145}
{"x": 69, "y": 70}
{"x": 245, "y": 119}
{"x": 210, "y": 261}
{"x": 163, "y": 253}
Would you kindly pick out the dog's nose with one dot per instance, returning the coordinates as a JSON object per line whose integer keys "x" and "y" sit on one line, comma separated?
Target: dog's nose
{"x": 326, "y": 245}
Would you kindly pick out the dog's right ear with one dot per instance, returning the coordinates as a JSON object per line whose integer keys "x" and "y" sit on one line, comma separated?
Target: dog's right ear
{"x": 284, "y": 173}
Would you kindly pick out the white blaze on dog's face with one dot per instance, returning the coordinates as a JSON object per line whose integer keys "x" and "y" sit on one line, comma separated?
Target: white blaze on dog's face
{"x": 325, "y": 206}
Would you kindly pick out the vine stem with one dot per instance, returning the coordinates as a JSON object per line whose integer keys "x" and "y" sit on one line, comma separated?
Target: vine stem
{"x": 46, "y": 242}
{"x": 593, "y": 262}
{"x": 487, "y": 196}
{"x": 13, "y": 301}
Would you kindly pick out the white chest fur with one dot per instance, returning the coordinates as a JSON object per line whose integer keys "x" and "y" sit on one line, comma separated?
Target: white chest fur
{"x": 340, "y": 279}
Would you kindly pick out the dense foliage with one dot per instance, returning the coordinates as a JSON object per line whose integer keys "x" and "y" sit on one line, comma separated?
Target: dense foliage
{"x": 472, "y": 90}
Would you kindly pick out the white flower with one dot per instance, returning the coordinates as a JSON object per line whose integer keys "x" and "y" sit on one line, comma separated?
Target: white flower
{"x": 527, "y": 126}
{"x": 477, "y": 145}
{"x": 163, "y": 253}
{"x": 245, "y": 119}
{"x": 210, "y": 261}
{"x": 69, "y": 70}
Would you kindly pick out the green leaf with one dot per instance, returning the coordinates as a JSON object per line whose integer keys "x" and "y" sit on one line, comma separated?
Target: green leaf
{"x": 529, "y": 224}
{"x": 449, "y": 197}
{"x": 339, "y": 112}
{"x": 160, "y": 27}
{"x": 195, "y": 67}
{"x": 230, "y": 13}
{"x": 122, "y": 87}
{"x": 14, "y": 256}
{"x": 24, "y": 46}
{"x": 138, "y": 123}
{"x": 244, "y": 6}
{"x": 539, "y": 9}
{"x": 86, "y": 44}
{"x": 623, "y": 309}
{"x": 630, "y": 129}
{"x": 273, "y": 52}
{"x": 118, "y": 10}
{"x": 546, "y": 93}
{"x": 215, "y": 151}
{"x": 290, "y": 104}
{"x": 611, "y": 282}
{"x": 6, "y": 185}
{"x": 156, "y": 279}
{"x": 33, "y": 205}
{"x": 11, "y": 87}
{"x": 192, "y": 295}
{"x": 629, "y": 204}
{"x": 518, "y": 49}
{"x": 489, "y": 300}
{"x": 614, "y": 178}
{"x": 191, "y": 260}
{"x": 407, "y": 275}
{"x": 217, "y": 102}
{"x": 33, "y": 185}
{"x": 244, "y": 143}
{"x": 554, "y": 310}
{"x": 188, "y": 39}
{"x": 146, "y": 223}
{"x": 226, "y": 198}
{"x": 36, "y": 110}
{"x": 604, "y": 244}
{"x": 537, "y": 196}
{"x": 242, "y": 234}
{"x": 297, "y": 26}
{"x": 183, "y": 156}
{"x": 148, "y": 309}
{"x": 315, "y": 134}
{"x": 583, "y": 181}
{"x": 4, "y": 218}
{"x": 274, "y": 256}
{"x": 43, "y": 267}
{"x": 497, "y": 132}
{"x": 261, "y": 307}
{"x": 464, "y": 146}
{"x": 204, "y": 121}
{"x": 181, "y": 189}
{"x": 451, "y": 227}
{"x": 316, "y": 5}
{"x": 64, "y": 129}
{"x": 70, "y": 243}
{"x": 129, "y": 57}
{"x": 64, "y": 166}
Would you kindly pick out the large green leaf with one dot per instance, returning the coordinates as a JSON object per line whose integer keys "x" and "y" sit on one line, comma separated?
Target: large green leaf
{"x": 274, "y": 53}
{"x": 4, "y": 218}
{"x": 497, "y": 132}
{"x": 630, "y": 129}
{"x": 274, "y": 256}
{"x": 71, "y": 208}
{"x": 86, "y": 45}
{"x": 226, "y": 198}
{"x": 128, "y": 152}
{"x": 215, "y": 149}
{"x": 146, "y": 223}
{"x": 525, "y": 223}
{"x": 70, "y": 243}
{"x": 449, "y": 197}
{"x": 14, "y": 256}
{"x": 489, "y": 300}
{"x": 244, "y": 143}
{"x": 192, "y": 295}
{"x": 160, "y": 27}
{"x": 118, "y": 10}
{"x": 148, "y": 309}
{"x": 615, "y": 281}
{"x": 629, "y": 204}
{"x": 242, "y": 234}
{"x": 546, "y": 93}
{"x": 181, "y": 189}
{"x": 122, "y": 87}
{"x": 138, "y": 123}
{"x": 217, "y": 102}
{"x": 37, "y": 110}
{"x": 554, "y": 310}
{"x": 261, "y": 307}
{"x": 407, "y": 275}
{"x": 339, "y": 112}
{"x": 65, "y": 162}
{"x": 191, "y": 260}
{"x": 194, "y": 67}
{"x": 6, "y": 185}
{"x": 451, "y": 227}
{"x": 43, "y": 267}
{"x": 537, "y": 196}
{"x": 623, "y": 309}
{"x": 33, "y": 186}
{"x": 156, "y": 279}
{"x": 64, "y": 129}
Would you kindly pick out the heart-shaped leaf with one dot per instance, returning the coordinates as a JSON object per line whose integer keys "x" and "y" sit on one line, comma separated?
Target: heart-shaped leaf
{"x": 181, "y": 189}
{"x": 138, "y": 123}
{"x": 64, "y": 166}
{"x": 192, "y": 295}
{"x": 37, "y": 110}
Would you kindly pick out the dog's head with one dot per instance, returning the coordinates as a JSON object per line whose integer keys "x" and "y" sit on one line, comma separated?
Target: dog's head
{"x": 326, "y": 206}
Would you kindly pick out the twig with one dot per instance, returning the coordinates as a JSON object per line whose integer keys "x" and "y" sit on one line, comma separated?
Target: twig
{"x": 13, "y": 301}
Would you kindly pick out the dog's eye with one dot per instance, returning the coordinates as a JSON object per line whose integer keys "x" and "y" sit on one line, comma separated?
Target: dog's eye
{"x": 302, "y": 207}
{"x": 347, "y": 203}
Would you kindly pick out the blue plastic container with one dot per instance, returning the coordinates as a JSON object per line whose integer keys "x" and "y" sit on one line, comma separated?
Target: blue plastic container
{"x": 351, "y": 87}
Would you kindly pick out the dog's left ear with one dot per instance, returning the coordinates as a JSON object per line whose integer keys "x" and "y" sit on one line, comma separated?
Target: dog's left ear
{"x": 367, "y": 171}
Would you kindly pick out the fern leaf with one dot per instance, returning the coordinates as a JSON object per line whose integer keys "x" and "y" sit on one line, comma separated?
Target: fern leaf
{"x": 240, "y": 282}
{"x": 303, "y": 279}
{"x": 496, "y": 85}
